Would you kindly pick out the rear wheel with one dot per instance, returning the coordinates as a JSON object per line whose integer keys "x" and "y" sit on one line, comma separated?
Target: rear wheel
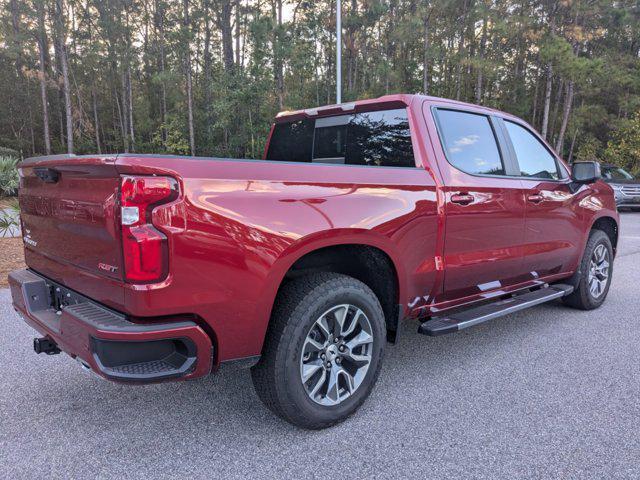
{"x": 323, "y": 350}
{"x": 594, "y": 277}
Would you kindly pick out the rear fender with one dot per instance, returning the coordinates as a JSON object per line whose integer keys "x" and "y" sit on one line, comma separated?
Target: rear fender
{"x": 314, "y": 242}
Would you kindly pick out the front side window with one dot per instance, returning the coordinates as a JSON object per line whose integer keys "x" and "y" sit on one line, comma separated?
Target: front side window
{"x": 380, "y": 138}
{"x": 534, "y": 159}
{"x": 469, "y": 142}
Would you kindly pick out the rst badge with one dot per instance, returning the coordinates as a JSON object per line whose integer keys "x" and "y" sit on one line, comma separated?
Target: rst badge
{"x": 107, "y": 268}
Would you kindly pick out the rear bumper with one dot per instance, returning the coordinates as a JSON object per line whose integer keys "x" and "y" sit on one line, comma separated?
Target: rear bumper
{"x": 106, "y": 341}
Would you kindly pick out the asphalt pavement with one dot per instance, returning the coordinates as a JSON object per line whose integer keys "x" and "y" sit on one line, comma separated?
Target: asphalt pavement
{"x": 546, "y": 393}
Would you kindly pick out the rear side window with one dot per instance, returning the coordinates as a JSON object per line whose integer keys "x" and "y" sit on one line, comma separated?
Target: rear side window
{"x": 469, "y": 142}
{"x": 291, "y": 142}
{"x": 533, "y": 157}
{"x": 381, "y": 138}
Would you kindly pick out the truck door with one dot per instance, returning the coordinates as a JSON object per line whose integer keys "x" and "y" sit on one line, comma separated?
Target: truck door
{"x": 553, "y": 231}
{"x": 484, "y": 205}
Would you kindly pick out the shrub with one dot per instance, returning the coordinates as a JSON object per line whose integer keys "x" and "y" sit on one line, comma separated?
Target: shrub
{"x": 9, "y": 179}
{"x": 10, "y": 219}
{"x": 9, "y": 152}
{"x": 8, "y": 224}
{"x": 624, "y": 147}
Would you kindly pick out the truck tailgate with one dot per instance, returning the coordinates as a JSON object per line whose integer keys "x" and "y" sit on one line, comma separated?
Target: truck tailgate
{"x": 68, "y": 209}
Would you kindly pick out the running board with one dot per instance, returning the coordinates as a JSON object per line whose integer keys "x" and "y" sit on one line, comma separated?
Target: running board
{"x": 473, "y": 316}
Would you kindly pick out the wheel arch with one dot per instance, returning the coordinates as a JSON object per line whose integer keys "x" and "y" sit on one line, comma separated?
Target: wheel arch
{"x": 605, "y": 223}
{"x": 373, "y": 253}
{"x": 610, "y": 226}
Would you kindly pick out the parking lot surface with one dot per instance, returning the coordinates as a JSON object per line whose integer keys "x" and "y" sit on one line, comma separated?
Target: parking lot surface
{"x": 549, "y": 392}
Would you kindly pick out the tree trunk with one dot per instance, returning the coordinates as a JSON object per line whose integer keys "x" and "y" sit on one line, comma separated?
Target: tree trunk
{"x": 96, "y": 124}
{"x": 547, "y": 101}
{"x": 15, "y": 23}
{"x": 187, "y": 67}
{"x": 519, "y": 86}
{"x": 65, "y": 72}
{"x": 535, "y": 102}
{"x": 463, "y": 26}
{"x": 244, "y": 31}
{"x": 42, "y": 48}
{"x": 208, "y": 77}
{"x": 549, "y": 85}
{"x": 553, "y": 118}
{"x": 425, "y": 55}
{"x": 31, "y": 132}
{"x": 483, "y": 44}
{"x": 277, "y": 56}
{"x": 57, "y": 74}
{"x": 159, "y": 8}
{"x": 573, "y": 142}
{"x": 350, "y": 47}
{"x": 61, "y": 117}
{"x": 124, "y": 113}
{"x": 238, "y": 24}
{"x": 224, "y": 23}
{"x": 130, "y": 108}
{"x": 568, "y": 100}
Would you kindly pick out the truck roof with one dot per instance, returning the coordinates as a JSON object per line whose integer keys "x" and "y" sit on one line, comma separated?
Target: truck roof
{"x": 390, "y": 101}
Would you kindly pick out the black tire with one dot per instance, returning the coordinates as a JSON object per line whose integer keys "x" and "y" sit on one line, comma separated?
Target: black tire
{"x": 300, "y": 303}
{"x": 582, "y": 298}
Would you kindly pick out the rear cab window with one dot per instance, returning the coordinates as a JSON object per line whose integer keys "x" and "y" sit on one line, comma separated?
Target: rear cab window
{"x": 378, "y": 138}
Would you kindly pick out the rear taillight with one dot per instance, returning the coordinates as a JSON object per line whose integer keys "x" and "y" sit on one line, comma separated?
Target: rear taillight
{"x": 145, "y": 250}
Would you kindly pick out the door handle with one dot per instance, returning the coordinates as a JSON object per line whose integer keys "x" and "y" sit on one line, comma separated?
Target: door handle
{"x": 462, "y": 198}
{"x": 535, "y": 198}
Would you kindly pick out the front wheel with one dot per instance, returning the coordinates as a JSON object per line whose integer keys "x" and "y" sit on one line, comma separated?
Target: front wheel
{"x": 594, "y": 277}
{"x": 323, "y": 350}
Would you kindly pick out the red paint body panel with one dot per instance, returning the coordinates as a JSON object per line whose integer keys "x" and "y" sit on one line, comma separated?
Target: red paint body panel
{"x": 239, "y": 225}
{"x": 234, "y": 236}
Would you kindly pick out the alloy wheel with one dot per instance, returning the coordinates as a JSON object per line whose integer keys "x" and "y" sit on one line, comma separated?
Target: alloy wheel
{"x": 599, "y": 271}
{"x": 336, "y": 354}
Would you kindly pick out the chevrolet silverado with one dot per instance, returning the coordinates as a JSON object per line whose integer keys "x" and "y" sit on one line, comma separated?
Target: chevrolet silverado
{"x": 301, "y": 266}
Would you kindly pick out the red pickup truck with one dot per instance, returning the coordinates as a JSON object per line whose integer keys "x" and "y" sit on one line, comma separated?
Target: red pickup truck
{"x": 149, "y": 268}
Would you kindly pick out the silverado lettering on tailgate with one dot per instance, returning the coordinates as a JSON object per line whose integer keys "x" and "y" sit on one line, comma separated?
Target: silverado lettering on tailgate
{"x": 62, "y": 208}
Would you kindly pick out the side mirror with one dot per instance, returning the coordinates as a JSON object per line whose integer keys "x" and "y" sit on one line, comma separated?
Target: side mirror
{"x": 585, "y": 172}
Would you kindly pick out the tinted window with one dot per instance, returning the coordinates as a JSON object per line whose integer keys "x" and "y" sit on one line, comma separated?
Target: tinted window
{"x": 330, "y": 141}
{"x": 470, "y": 143}
{"x": 381, "y": 138}
{"x": 534, "y": 159}
{"x": 291, "y": 141}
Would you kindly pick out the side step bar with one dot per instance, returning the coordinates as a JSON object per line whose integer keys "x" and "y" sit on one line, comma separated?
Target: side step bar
{"x": 473, "y": 316}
